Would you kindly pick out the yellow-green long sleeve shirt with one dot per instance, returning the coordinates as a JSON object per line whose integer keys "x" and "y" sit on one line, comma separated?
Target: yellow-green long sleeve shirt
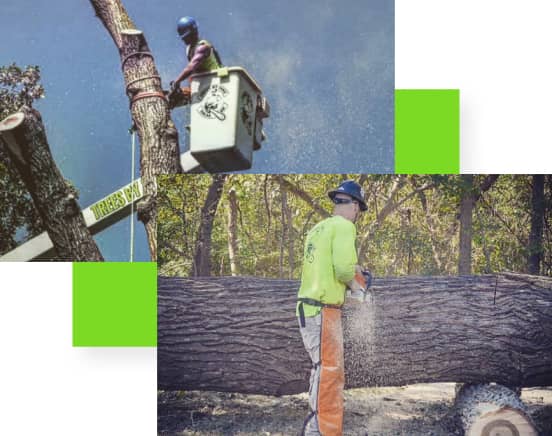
{"x": 329, "y": 261}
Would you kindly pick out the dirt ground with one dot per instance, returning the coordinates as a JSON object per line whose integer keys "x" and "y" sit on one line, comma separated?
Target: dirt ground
{"x": 422, "y": 409}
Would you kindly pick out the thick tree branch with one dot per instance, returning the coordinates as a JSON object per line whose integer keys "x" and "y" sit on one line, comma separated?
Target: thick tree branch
{"x": 56, "y": 202}
{"x": 295, "y": 190}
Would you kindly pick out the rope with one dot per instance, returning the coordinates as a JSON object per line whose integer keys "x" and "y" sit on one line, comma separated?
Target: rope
{"x": 133, "y": 147}
{"x": 141, "y": 95}
{"x": 132, "y": 82}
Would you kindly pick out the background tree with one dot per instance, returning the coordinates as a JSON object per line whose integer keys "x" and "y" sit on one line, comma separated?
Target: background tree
{"x": 411, "y": 226}
{"x": 537, "y": 221}
{"x": 202, "y": 256}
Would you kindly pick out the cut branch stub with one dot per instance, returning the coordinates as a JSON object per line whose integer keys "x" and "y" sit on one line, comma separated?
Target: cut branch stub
{"x": 8, "y": 129}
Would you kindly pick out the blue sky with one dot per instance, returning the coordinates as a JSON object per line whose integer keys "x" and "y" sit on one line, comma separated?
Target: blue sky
{"x": 326, "y": 67}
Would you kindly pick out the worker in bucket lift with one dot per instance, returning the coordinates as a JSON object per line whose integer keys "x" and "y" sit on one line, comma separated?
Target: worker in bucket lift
{"x": 329, "y": 268}
{"x": 202, "y": 57}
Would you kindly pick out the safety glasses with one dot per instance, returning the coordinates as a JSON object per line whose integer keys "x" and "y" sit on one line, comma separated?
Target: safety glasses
{"x": 337, "y": 200}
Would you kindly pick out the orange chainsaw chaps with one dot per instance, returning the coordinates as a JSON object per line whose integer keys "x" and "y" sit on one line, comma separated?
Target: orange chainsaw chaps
{"x": 360, "y": 279}
{"x": 332, "y": 376}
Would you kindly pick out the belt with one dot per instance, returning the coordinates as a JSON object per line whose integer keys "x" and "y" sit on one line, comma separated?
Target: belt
{"x": 312, "y": 302}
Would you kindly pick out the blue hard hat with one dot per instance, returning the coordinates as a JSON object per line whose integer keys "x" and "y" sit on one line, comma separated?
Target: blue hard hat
{"x": 186, "y": 26}
{"x": 352, "y": 189}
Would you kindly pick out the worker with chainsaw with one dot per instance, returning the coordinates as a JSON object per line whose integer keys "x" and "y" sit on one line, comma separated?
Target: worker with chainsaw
{"x": 329, "y": 269}
{"x": 202, "y": 57}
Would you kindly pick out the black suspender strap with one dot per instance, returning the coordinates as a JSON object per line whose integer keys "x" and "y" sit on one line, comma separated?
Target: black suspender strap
{"x": 301, "y": 315}
{"x": 317, "y": 303}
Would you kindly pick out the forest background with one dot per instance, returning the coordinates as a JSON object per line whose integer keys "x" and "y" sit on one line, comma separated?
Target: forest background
{"x": 415, "y": 224}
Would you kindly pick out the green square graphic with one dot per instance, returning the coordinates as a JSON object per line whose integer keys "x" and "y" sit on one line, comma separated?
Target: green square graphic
{"x": 427, "y": 131}
{"x": 114, "y": 304}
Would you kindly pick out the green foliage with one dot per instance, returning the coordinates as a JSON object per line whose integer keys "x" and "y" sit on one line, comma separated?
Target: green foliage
{"x": 410, "y": 239}
{"x": 18, "y": 87}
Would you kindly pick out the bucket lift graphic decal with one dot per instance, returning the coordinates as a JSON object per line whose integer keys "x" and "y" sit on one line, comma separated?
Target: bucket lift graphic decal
{"x": 213, "y": 104}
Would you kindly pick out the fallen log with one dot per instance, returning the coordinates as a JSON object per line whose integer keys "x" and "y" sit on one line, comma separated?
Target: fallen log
{"x": 486, "y": 410}
{"x": 240, "y": 334}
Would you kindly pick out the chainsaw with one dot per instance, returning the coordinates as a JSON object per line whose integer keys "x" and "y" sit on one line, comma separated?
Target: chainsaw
{"x": 178, "y": 96}
{"x": 359, "y": 286}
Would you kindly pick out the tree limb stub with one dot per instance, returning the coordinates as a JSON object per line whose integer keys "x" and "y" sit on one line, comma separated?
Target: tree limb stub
{"x": 54, "y": 199}
{"x": 240, "y": 334}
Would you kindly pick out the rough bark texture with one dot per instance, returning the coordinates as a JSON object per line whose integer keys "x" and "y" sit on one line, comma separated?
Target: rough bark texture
{"x": 537, "y": 225}
{"x": 489, "y": 410}
{"x": 233, "y": 231}
{"x": 159, "y": 150}
{"x": 240, "y": 334}
{"x": 55, "y": 201}
{"x": 202, "y": 256}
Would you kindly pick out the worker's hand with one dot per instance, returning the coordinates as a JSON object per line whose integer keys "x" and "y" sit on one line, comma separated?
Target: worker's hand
{"x": 174, "y": 86}
{"x": 187, "y": 93}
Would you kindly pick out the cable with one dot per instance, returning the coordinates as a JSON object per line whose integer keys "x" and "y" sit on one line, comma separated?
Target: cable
{"x": 133, "y": 146}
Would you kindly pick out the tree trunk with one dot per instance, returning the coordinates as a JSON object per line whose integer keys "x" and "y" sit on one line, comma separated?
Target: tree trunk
{"x": 467, "y": 203}
{"x": 431, "y": 227}
{"x": 286, "y": 237}
{"x": 486, "y": 410}
{"x": 233, "y": 231}
{"x": 240, "y": 334}
{"x": 537, "y": 224}
{"x": 202, "y": 256}
{"x": 56, "y": 202}
{"x": 470, "y": 195}
{"x": 149, "y": 109}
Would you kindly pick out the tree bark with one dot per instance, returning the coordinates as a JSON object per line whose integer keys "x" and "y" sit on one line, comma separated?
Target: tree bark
{"x": 492, "y": 410}
{"x": 56, "y": 202}
{"x": 202, "y": 256}
{"x": 537, "y": 225}
{"x": 240, "y": 334}
{"x": 149, "y": 110}
{"x": 233, "y": 231}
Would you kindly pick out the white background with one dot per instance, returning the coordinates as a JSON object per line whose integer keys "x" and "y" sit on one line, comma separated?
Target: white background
{"x": 496, "y": 52}
{"x": 47, "y": 387}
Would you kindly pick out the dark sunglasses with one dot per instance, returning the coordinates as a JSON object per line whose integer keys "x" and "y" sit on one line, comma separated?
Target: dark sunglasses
{"x": 337, "y": 200}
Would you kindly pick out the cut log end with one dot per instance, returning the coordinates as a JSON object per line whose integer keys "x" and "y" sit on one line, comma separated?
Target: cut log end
{"x": 493, "y": 410}
{"x": 11, "y": 121}
{"x": 502, "y": 422}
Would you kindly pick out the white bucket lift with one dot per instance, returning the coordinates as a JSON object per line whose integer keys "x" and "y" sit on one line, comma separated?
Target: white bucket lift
{"x": 227, "y": 112}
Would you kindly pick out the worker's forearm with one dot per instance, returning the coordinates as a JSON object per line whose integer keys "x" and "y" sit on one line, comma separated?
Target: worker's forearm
{"x": 344, "y": 273}
{"x": 201, "y": 53}
{"x": 184, "y": 74}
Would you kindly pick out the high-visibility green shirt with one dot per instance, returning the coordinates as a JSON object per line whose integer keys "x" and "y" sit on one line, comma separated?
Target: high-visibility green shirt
{"x": 329, "y": 261}
{"x": 210, "y": 63}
